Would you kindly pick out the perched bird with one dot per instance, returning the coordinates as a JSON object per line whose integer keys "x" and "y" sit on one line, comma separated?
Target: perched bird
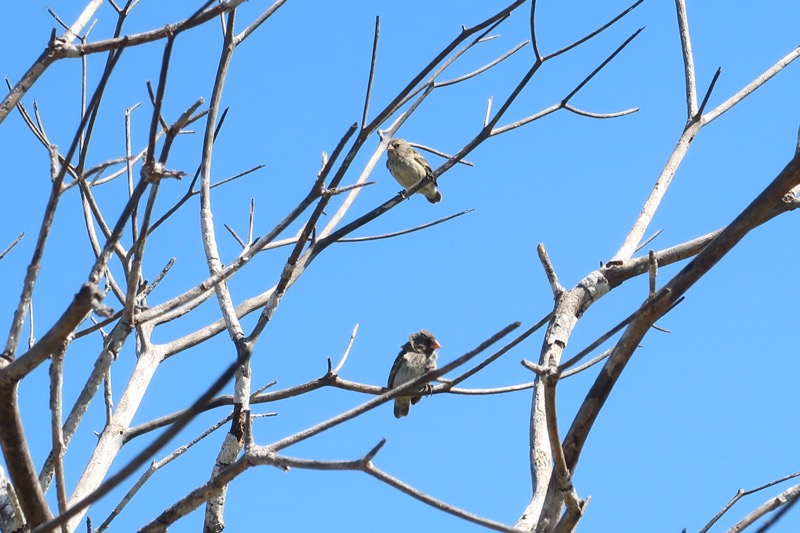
{"x": 416, "y": 357}
{"x": 408, "y": 166}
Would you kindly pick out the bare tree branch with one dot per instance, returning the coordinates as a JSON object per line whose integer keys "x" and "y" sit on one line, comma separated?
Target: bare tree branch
{"x": 741, "y": 494}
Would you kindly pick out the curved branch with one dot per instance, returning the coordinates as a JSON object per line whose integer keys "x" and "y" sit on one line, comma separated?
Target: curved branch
{"x": 406, "y": 231}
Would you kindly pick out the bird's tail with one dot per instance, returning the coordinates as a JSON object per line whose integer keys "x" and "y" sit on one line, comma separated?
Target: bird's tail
{"x": 401, "y": 407}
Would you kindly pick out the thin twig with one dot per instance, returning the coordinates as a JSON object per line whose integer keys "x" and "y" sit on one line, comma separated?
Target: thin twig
{"x": 653, "y": 271}
{"x": 484, "y": 68}
{"x": 56, "y": 384}
{"x": 605, "y": 62}
{"x": 741, "y": 494}
{"x": 752, "y": 86}
{"x": 440, "y": 154}
{"x": 785, "y": 499}
{"x": 532, "y": 24}
{"x": 371, "y": 77}
{"x": 549, "y": 271}
{"x": 650, "y": 239}
{"x": 596, "y": 32}
{"x": 588, "y": 364}
{"x": 495, "y": 390}
{"x": 709, "y": 91}
{"x": 690, "y": 80}
{"x": 433, "y": 502}
{"x": 406, "y": 231}
{"x": 494, "y": 357}
{"x": 346, "y": 350}
{"x": 589, "y": 114}
{"x": 12, "y": 245}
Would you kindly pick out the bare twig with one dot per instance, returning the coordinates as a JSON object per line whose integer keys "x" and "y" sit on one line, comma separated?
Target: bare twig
{"x": 494, "y": 357}
{"x": 650, "y": 239}
{"x": 346, "y": 350}
{"x": 549, "y": 270}
{"x": 709, "y": 91}
{"x": 371, "y": 77}
{"x": 653, "y": 271}
{"x": 593, "y": 34}
{"x": 406, "y": 231}
{"x": 433, "y": 502}
{"x": 484, "y": 68}
{"x": 12, "y": 245}
{"x": 589, "y": 114}
{"x": 785, "y": 499}
{"x": 741, "y": 494}
{"x": 603, "y": 338}
{"x": 690, "y": 80}
{"x": 752, "y": 86}
{"x": 440, "y": 153}
{"x": 56, "y": 384}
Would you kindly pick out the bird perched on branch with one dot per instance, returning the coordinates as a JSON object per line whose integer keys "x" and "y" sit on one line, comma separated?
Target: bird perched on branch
{"x": 416, "y": 357}
{"x": 408, "y": 166}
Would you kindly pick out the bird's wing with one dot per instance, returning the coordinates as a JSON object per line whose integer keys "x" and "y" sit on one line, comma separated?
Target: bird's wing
{"x": 398, "y": 362}
{"x": 421, "y": 160}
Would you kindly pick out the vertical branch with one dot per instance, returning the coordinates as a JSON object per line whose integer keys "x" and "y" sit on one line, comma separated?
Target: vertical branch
{"x": 653, "y": 271}
{"x": 534, "y": 41}
{"x": 56, "y": 383}
{"x": 129, "y": 167}
{"x": 18, "y": 459}
{"x": 108, "y": 396}
{"x": 158, "y": 101}
{"x": 690, "y": 80}
{"x": 206, "y": 213}
{"x": 574, "y": 504}
{"x": 214, "y": 519}
{"x": 371, "y": 71}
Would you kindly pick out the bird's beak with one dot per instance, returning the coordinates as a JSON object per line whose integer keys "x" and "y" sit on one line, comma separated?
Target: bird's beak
{"x": 436, "y": 344}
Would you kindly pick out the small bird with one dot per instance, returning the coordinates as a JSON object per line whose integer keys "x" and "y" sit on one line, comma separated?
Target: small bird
{"x": 416, "y": 357}
{"x": 407, "y": 166}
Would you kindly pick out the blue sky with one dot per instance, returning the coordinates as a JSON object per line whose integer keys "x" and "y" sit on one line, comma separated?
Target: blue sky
{"x": 698, "y": 413}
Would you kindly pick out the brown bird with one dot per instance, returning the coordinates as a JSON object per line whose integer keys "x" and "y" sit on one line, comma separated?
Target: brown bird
{"x": 416, "y": 357}
{"x": 407, "y": 166}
